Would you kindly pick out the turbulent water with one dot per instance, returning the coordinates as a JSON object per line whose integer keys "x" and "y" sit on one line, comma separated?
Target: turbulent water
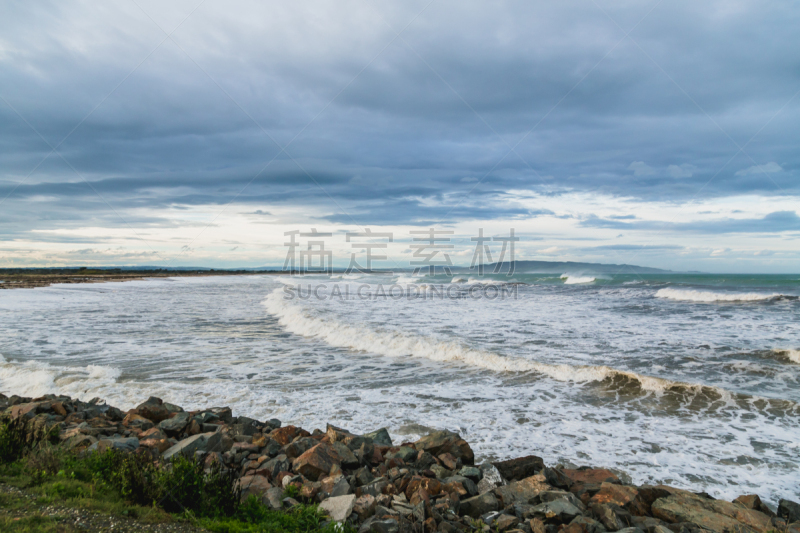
{"x": 690, "y": 380}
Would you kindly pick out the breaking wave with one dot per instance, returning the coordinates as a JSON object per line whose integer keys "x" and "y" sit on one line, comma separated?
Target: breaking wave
{"x": 570, "y": 279}
{"x": 34, "y": 378}
{"x": 295, "y": 319}
{"x": 791, "y": 355}
{"x": 707, "y": 296}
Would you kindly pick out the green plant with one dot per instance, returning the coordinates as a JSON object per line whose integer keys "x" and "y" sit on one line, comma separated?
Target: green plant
{"x": 13, "y": 441}
{"x": 291, "y": 491}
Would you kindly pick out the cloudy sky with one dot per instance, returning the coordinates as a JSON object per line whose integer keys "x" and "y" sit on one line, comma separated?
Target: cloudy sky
{"x": 656, "y": 133}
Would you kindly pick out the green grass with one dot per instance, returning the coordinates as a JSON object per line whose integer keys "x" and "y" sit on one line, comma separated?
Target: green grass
{"x": 130, "y": 485}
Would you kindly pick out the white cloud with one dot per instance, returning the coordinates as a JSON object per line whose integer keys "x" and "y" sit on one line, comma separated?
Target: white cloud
{"x": 553, "y": 250}
{"x": 640, "y": 168}
{"x": 768, "y": 168}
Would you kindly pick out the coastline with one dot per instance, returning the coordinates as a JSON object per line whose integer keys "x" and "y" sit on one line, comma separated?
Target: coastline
{"x": 376, "y": 485}
{"x": 18, "y": 279}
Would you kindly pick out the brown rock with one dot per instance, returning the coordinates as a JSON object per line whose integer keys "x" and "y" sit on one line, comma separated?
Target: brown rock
{"x": 645, "y": 498}
{"x": 286, "y": 434}
{"x": 133, "y": 420}
{"x": 432, "y": 486}
{"x": 317, "y": 462}
{"x": 505, "y": 522}
{"x": 364, "y": 506}
{"x": 591, "y": 475}
{"x": 616, "y": 494}
{"x": 523, "y": 490}
{"x": 752, "y": 501}
{"x": 448, "y": 461}
{"x": 161, "y": 445}
{"x": 440, "y": 442}
{"x": 154, "y": 410}
{"x": 58, "y": 408}
{"x": 152, "y": 433}
{"x": 713, "y": 515}
{"x": 255, "y": 485}
{"x": 520, "y": 468}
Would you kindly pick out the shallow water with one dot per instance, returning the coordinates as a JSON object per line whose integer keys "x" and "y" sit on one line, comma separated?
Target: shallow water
{"x": 690, "y": 380}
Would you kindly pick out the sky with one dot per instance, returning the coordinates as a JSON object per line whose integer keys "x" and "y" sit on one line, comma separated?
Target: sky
{"x": 199, "y": 133}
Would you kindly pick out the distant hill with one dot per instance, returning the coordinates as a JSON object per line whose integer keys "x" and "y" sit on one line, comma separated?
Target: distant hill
{"x": 561, "y": 267}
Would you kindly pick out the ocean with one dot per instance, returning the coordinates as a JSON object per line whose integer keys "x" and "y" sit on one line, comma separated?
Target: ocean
{"x": 692, "y": 380}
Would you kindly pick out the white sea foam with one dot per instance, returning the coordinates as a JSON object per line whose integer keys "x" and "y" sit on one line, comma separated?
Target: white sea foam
{"x": 296, "y": 319}
{"x": 792, "y": 355}
{"x": 570, "y": 279}
{"x": 34, "y": 378}
{"x": 406, "y": 280}
{"x": 707, "y": 296}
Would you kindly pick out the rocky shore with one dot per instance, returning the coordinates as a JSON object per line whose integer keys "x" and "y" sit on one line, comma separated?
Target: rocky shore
{"x": 376, "y": 485}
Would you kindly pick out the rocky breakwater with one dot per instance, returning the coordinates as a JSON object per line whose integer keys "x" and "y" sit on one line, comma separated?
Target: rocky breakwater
{"x": 432, "y": 484}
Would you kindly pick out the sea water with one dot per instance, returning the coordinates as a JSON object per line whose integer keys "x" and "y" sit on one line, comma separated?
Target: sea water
{"x": 690, "y": 380}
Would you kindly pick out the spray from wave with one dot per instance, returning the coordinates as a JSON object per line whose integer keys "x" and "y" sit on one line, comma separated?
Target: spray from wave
{"x": 570, "y": 279}
{"x": 707, "y": 296}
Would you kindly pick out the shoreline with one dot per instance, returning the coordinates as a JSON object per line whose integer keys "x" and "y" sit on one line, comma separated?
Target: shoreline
{"x": 31, "y": 280}
{"x": 376, "y": 485}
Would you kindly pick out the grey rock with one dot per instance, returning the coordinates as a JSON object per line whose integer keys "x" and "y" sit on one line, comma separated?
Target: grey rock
{"x": 491, "y": 478}
{"x": 480, "y": 505}
{"x": 277, "y": 464}
{"x": 273, "y": 423}
{"x": 376, "y": 487}
{"x": 388, "y": 525}
{"x": 339, "y": 507}
{"x": 274, "y": 498}
{"x": 472, "y": 489}
{"x": 789, "y": 511}
{"x": 441, "y": 472}
{"x": 174, "y": 426}
{"x": 340, "y": 488}
{"x": 471, "y": 472}
{"x": 380, "y": 437}
{"x": 404, "y": 453}
{"x": 122, "y": 444}
{"x": 363, "y": 477}
{"x": 558, "y": 510}
{"x": 206, "y": 442}
{"x": 349, "y": 460}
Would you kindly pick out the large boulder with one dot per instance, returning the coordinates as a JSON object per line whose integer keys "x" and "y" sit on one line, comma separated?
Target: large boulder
{"x": 520, "y": 468}
{"x": 558, "y": 511}
{"x": 317, "y": 462}
{"x": 380, "y": 437}
{"x": 620, "y": 495}
{"x": 121, "y": 444}
{"x": 444, "y": 441}
{"x": 153, "y": 409}
{"x": 591, "y": 475}
{"x": 713, "y": 515}
{"x": 752, "y": 501}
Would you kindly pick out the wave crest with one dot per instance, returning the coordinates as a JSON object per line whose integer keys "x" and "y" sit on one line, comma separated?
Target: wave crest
{"x": 707, "y": 296}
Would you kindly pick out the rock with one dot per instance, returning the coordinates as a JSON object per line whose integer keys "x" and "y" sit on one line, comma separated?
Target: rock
{"x": 160, "y": 445}
{"x": 348, "y": 459}
{"x": 491, "y": 478}
{"x": 153, "y": 409}
{"x": 608, "y": 516}
{"x": 274, "y": 498}
{"x": 553, "y": 495}
{"x": 789, "y": 511}
{"x": 557, "y": 478}
{"x": 617, "y": 494}
{"x": 285, "y": 435}
{"x": 388, "y": 525}
{"x": 253, "y": 486}
{"x": 584, "y": 524}
{"x": 364, "y": 506}
{"x": 591, "y": 475}
{"x": 480, "y": 505}
{"x": 752, "y": 501}
{"x": 405, "y": 453}
{"x": 470, "y": 472}
{"x": 295, "y": 449}
{"x": 712, "y": 515}
{"x": 440, "y": 442}
{"x": 448, "y": 460}
{"x": 203, "y": 442}
{"x": 558, "y": 511}
{"x": 336, "y": 486}
{"x": 121, "y": 444}
{"x": 523, "y": 490}
{"x": 276, "y": 465}
{"x": 29, "y": 410}
{"x": 504, "y": 522}
{"x": 80, "y": 441}
{"x": 174, "y": 426}
{"x": 375, "y": 488}
{"x": 520, "y": 468}
{"x": 645, "y": 498}
{"x": 132, "y": 420}
{"x": 441, "y": 472}
{"x": 339, "y": 507}
{"x": 316, "y": 462}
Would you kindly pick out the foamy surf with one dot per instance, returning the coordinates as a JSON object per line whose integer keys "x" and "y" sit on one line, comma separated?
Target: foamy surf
{"x": 791, "y": 355}
{"x": 570, "y": 279}
{"x": 295, "y": 319}
{"x": 34, "y": 378}
{"x": 710, "y": 297}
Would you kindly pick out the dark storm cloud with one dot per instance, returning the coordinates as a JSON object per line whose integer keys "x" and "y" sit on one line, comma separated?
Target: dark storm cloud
{"x": 391, "y": 128}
